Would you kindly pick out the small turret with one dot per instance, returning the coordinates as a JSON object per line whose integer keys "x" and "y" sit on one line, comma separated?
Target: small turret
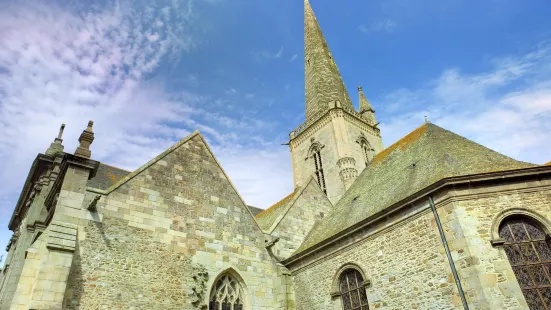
{"x": 86, "y": 138}
{"x": 366, "y": 110}
{"x": 56, "y": 146}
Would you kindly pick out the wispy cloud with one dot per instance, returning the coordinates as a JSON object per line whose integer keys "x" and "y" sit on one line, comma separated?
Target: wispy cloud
{"x": 384, "y": 25}
{"x": 265, "y": 55}
{"x": 507, "y": 109}
{"x": 69, "y": 65}
{"x": 293, "y": 58}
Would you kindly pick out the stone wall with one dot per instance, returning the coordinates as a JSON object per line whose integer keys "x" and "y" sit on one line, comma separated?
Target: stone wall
{"x": 354, "y": 131}
{"x": 487, "y": 275}
{"x": 117, "y": 266}
{"x": 14, "y": 263}
{"x": 303, "y": 168}
{"x": 311, "y": 206}
{"x": 182, "y": 205}
{"x": 405, "y": 263}
{"x": 326, "y": 131}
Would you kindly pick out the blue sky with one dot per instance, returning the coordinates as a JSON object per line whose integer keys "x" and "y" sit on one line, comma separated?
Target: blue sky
{"x": 150, "y": 72}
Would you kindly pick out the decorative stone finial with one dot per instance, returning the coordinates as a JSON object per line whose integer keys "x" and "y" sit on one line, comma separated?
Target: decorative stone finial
{"x": 427, "y": 120}
{"x": 56, "y": 146}
{"x": 61, "y": 132}
{"x": 359, "y": 88}
{"x": 86, "y": 138}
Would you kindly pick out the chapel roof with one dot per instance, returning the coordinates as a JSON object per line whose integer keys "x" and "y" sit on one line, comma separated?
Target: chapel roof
{"x": 547, "y": 164}
{"x": 106, "y": 176}
{"x": 255, "y": 210}
{"x": 421, "y": 158}
{"x": 267, "y": 217}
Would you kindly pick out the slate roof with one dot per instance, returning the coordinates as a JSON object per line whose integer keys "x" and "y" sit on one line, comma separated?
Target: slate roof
{"x": 423, "y": 157}
{"x": 106, "y": 176}
{"x": 267, "y": 217}
{"x": 255, "y": 210}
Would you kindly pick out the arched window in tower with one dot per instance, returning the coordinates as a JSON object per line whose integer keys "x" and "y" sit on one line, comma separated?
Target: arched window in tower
{"x": 316, "y": 154}
{"x": 367, "y": 151}
{"x": 352, "y": 290}
{"x": 530, "y": 256}
{"x": 226, "y": 294}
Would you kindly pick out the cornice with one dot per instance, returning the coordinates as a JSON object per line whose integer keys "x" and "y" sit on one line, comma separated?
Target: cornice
{"x": 40, "y": 163}
{"x": 307, "y": 128}
{"x": 410, "y": 206}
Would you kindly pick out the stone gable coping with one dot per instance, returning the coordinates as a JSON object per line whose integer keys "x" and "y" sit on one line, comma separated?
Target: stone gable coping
{"x": 291, "y": 203}
{"x": 159, "y": 157}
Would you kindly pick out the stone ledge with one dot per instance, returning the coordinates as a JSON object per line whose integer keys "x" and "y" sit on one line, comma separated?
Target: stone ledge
{"x": 62, "y": 236}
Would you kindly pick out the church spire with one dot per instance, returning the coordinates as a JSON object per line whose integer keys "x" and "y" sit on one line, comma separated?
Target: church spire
{"x": 364, "y": 104}
{"x": 366, "y": 110}
{"x": 323, "y": 82}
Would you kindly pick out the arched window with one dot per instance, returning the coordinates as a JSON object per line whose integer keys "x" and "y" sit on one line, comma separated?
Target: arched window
{"x": 226, "y": 294}
{"x": 352, "y": 290}
{"x": 530, "y": 256}
{"x": 316, "y": 154}
{"x": 367, "y": 150}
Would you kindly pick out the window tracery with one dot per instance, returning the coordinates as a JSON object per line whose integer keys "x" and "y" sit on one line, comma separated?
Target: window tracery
{"x": 367, "y": 151}
{"x": 352, "y": 290}
{"x": 529, "y": 252}
{"x": 316, "y": 154}
{"x": 226, "y": 294}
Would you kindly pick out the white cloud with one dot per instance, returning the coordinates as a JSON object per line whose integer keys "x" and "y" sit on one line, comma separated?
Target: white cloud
{"x": 384, "y": 25}
{"x": 507, "y": 109}
{"x": 264, "y": 55}
{"x": 293, "y": 58}
{"x": 62, "y": 66}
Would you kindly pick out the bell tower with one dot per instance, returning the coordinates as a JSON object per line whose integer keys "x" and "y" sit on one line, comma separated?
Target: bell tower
{"x": 335, "y": 142}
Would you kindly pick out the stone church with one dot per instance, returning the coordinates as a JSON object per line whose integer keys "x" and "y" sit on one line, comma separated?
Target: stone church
{"x": 434, "y": 221}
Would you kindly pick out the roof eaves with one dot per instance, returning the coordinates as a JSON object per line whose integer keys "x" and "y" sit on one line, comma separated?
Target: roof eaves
{"x": 450, "y": 181}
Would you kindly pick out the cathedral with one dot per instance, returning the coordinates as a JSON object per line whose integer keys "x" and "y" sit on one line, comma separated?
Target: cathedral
{"x": 433, "y": 221}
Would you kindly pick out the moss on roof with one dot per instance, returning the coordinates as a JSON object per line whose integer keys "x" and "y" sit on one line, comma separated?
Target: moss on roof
{"x": 255, "y": 210}
{"x": 423, "y": 157}
{"x": 106, "y": 176}
{"x": 267, "y": 217}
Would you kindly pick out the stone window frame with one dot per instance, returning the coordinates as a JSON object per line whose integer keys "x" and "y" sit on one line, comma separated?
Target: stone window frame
{"x": 247, "y": 303}
{"x": 541, "y": 223}
{"x": 335, "y": 285}
{"x": 314, "y": 153}
{"x": 496, "y": 241}
{"x": 363, "y": 142}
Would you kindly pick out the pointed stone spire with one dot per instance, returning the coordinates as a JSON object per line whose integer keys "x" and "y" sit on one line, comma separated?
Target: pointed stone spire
{"x": 323, "y": 82}
{"x": 56, "y": 146}
{"x": 86, "y": 138}
{"x": 364, "y": 104}
{"x": 365, "y": 108}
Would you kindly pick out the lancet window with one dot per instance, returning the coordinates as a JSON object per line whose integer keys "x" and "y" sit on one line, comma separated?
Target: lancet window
{"x": 529, "y": 253}
{"x": 226, "y": 294}
{"x": 316, "y": 154}
{"x": 367, "y": 151}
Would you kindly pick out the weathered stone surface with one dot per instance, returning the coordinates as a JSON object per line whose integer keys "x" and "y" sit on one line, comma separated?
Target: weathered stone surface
{"x": 117, "y": 266}
{"x": 405, "y": 263}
